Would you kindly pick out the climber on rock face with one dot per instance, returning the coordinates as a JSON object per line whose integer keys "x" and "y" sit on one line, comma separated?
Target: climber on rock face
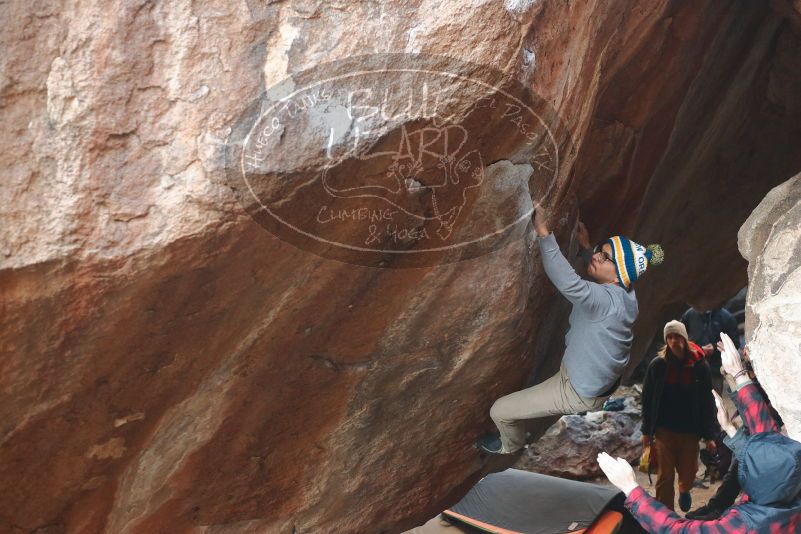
{"x": 597, "y": 342}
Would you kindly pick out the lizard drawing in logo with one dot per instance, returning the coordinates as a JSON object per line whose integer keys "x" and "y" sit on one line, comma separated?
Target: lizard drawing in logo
{"x": 423, "y": 172}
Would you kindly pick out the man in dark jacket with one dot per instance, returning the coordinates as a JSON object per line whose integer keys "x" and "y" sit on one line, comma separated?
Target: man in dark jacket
{"x": 770, "y": 472}
{"x": 677, "y": 411}
{"x": 704, "y": 328}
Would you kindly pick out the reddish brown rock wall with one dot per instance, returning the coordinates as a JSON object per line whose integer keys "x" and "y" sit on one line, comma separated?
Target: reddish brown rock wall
{"x": 168, "y": 365}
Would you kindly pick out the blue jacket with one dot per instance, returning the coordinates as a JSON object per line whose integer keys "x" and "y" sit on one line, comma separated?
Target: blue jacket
{"x": 769, "y": 472}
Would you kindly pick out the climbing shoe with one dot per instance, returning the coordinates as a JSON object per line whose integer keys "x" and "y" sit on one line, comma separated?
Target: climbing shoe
{"x": 490, "y": 444}
{"x": 704, "y": 513}
{"x": 685, "y": 501}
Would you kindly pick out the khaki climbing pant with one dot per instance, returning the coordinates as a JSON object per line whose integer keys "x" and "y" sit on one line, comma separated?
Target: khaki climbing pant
{"x": 555, "y": 396}
{"x": 676, "y": 452}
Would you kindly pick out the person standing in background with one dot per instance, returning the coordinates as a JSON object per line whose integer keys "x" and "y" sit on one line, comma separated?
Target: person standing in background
{"x": 677, "y": 411}
{"x": 704, "y": 327}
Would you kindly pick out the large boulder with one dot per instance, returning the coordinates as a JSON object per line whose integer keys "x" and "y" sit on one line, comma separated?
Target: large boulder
{"x": 169, "y": 365}
{"x": 570, "y": 448}
{"x": 771, "y": 242}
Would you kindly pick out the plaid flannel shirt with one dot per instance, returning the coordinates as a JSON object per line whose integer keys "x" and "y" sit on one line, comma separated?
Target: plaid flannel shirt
{"x": 656, "y": 518}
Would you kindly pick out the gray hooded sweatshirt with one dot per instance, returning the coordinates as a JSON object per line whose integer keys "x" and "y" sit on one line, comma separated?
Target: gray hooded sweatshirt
{"x": 599, "y": 339}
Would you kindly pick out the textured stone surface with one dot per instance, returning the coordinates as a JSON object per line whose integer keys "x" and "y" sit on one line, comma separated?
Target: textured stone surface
{"x": 570, "y": 448}
{"x": 168, "y": 365}
{"x": 771, "y": 242}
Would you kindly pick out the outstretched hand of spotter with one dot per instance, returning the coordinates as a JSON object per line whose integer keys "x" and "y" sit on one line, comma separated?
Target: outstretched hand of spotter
{"x": 619, "y": 472}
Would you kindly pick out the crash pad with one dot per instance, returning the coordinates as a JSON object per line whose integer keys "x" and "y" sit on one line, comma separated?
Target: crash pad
{"x": 520, "y": 502}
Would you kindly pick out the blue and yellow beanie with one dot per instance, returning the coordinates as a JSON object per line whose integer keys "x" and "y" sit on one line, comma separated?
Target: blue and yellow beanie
{"x": 632, "y": 259}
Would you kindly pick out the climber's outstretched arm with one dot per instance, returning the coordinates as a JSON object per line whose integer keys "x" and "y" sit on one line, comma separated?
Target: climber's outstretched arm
{"x": 578, "y": 291}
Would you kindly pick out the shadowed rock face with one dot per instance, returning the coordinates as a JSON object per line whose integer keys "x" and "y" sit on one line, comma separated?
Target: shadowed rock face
{"x": 169, "y": 365}
{"x": 728, "y": 148}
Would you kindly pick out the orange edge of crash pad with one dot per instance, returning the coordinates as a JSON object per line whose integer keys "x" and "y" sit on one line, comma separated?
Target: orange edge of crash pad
{"x": 608, "y": 523}
{"x": 479, "y": 524}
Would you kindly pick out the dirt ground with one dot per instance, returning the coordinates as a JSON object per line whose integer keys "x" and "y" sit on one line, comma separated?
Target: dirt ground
{"x": 702, "y": 490}
{"x": 701, "y": 493}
